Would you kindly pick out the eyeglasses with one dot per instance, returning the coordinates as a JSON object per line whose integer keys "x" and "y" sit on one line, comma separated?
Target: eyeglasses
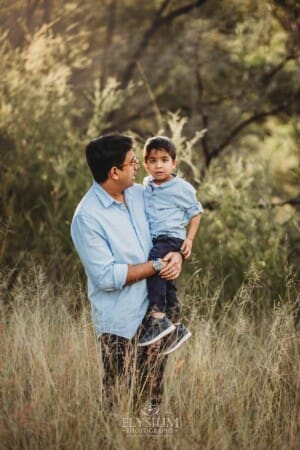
{"x": 134, "y": 162}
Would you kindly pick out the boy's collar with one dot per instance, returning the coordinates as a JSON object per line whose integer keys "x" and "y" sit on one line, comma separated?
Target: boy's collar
{"x": 152, "y": 181}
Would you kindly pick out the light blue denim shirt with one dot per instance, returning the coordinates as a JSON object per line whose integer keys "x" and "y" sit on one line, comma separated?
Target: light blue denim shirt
{"x": 170, "y": 206}
{"x": 108, "y": 237}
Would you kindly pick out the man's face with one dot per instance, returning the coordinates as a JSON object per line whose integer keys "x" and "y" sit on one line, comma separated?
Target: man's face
{"x": 129, "y": 169}
{"x": 160, "y": 165}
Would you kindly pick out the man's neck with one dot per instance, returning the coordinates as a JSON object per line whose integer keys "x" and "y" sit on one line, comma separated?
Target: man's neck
{"x": 113, "y": 191}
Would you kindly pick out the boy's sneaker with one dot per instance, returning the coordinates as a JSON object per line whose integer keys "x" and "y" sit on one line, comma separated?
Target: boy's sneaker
{"x": 155, "y": 330}
{"x": 178, "y": 337}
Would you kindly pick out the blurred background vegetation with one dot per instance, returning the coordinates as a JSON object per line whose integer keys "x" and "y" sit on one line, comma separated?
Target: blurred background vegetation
{"x": 219, "y": 77}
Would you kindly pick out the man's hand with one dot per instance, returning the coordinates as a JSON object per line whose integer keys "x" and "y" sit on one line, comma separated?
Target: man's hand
{"x": 173, "y": 267}
{"x": 186, "y": 248}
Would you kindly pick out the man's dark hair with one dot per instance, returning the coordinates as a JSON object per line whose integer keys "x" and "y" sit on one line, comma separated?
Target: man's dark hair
{"x": 159, "y": 143}
{"x": 104, "y": 152}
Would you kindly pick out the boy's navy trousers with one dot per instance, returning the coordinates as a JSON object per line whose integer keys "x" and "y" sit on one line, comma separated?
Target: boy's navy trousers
{"x": 162, "y": 293}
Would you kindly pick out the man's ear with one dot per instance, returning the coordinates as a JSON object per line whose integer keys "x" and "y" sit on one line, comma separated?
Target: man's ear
{"x": 113, "y": 173}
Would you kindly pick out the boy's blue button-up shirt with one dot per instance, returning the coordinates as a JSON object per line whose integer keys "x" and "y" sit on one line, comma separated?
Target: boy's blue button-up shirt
{"x": 170, "y": 206}
{"x": 108, "y": 237}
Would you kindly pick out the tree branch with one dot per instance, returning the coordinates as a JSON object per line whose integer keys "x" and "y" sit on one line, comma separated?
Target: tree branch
{"x": 108, "y": 40}
{"x": 126, "y": 120}
{"x": 292, "y": 201}
{"x": 254, "y": 118}
{"x": 180, "y": 11}
{"x": 47, "y": 11}
{"x": 204, "y": 140}
{"x": 267, "y": 77}
{"x": 157, "y": 22}
{"x": 31, "y": 7}
{"x": 212, "y": 205}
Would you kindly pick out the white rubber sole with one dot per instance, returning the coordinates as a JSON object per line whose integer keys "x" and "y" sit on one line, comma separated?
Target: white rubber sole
{"x": 179, "y": 343}
{"x": 160, "y": 336}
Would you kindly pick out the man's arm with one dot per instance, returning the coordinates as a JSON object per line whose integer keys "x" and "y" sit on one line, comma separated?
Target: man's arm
{"x": 171, "y": 270}
{"x": 101, "y": 266}
{"x": 137, "y": 272}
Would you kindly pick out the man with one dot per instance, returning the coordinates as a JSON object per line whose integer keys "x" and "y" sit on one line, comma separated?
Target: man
{"x": 111, "y": 235}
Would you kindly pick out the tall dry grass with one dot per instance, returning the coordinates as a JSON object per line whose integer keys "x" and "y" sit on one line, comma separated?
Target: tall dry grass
{"x": 234, "y": 385}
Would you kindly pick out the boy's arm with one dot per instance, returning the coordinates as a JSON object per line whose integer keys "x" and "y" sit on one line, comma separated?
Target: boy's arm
{"x": 193, "y": 227}
{"x": 186, "y": 248}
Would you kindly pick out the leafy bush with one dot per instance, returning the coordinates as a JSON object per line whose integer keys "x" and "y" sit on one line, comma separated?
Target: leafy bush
{"x": 240, "y": 229}
{"x": 43, "y": 170}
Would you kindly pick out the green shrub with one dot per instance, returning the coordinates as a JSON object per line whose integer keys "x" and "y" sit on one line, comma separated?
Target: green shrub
{"x": 240, "y": 228}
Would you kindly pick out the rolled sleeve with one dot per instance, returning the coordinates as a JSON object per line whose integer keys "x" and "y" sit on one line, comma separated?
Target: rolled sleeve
{"x": 120, "y": 272}
{"x": 96, "y": 256}
{"x": 193, "y": 211}
{"x": 189, "y": 202}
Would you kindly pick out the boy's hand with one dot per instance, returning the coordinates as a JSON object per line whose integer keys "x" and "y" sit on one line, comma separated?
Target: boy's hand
{"x": 173, "y": 268}
{"x": 186, "y": 248}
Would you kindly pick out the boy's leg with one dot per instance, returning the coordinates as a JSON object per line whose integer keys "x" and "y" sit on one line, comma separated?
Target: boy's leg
{"x": 181, "y": 333}
{"x": 158, "y": 325}
{"x": 172, "y": 303}
{"x": 173, "y": 309}
{"x": 156, "y": 285}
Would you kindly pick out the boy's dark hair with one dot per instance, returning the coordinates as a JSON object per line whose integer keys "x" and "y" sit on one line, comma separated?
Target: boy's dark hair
{"x": 159, "y": 143}
{"x": 104, "y": 152}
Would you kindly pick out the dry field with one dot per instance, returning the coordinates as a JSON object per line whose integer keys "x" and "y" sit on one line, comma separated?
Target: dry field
{"x": 234, "y": 385}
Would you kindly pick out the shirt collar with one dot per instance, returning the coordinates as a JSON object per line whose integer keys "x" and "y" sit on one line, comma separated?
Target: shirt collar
{"x": 150, "y": 180}
{"x": 106, "y": 199}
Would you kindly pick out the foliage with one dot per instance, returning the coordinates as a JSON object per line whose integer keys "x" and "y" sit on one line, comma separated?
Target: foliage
{"x": 105, "y": 101}
{"x": 230, "y": 104}
{"x": 242, "y": 228}
{"x": 43, "y": 169}
{"x": 39, "y": 145}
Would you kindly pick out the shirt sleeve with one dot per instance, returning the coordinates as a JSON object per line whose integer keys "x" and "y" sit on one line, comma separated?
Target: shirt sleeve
{"x": 96, "y": 256}
{"x": 189, "y": 202}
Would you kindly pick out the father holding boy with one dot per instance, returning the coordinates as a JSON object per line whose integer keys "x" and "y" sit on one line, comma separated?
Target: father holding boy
{"x": 111, "y": 235}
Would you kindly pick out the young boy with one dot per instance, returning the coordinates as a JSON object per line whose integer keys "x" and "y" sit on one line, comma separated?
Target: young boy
{"x": 171, "y": 204}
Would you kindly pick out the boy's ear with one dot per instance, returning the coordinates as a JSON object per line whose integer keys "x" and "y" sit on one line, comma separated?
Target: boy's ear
{"x": 174, "y": 163}
{"x": 113, "y": 174}
{"x": 145, "y": 165}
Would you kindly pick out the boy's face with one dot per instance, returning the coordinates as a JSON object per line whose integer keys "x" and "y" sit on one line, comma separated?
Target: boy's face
{"x": 160, "y": 165}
